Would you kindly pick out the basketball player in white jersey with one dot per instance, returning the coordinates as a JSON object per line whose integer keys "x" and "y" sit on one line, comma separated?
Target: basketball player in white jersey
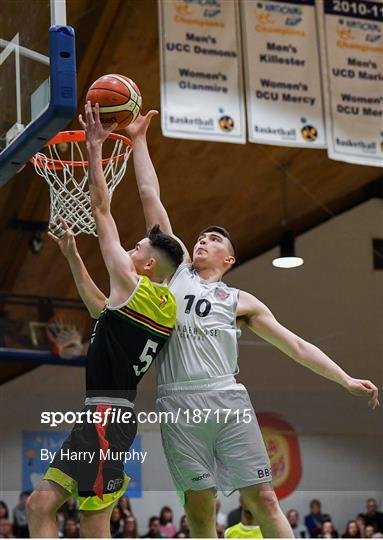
{"x": 195, "y": 371}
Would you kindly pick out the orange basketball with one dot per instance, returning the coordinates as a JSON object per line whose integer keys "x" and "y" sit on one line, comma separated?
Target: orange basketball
{"x": 119, "y": 99}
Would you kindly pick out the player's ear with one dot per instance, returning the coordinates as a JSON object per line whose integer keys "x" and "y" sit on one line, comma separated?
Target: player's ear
{"x": 151, "y": 263}
{"x": 230, "y": 259}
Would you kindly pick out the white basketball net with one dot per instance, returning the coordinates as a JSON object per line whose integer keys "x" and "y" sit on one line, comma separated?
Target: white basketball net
{"x": 68, "y": 183}
{"x": 65, "y": 331}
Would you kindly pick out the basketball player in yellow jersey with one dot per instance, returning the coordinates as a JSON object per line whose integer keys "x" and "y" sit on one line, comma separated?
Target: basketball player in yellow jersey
{"x": 132, "y": 327}
{"x": 196, "y": 371}
{"x": 246, "y": 528}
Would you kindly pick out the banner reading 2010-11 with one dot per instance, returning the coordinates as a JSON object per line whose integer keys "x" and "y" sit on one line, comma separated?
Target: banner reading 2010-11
{"x": 352, "y": 64}
{"x": 284, "y": 91}
{"x": 201, "y": 70}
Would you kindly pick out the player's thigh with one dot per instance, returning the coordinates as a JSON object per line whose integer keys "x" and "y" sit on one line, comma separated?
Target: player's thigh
{"x": 48, "y": 497}
{"x": 240, "y": 449}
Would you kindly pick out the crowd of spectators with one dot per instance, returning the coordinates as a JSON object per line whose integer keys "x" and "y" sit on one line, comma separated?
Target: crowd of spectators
{"x": 123, "y": 524}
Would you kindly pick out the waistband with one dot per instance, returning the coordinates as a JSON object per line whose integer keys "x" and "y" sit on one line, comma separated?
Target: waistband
{"x": 116, "y": 402}
{"x": 224, "y": 382}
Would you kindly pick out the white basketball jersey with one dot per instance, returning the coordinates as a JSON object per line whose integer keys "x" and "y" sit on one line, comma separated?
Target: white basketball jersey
{"x": 204, "y": 342}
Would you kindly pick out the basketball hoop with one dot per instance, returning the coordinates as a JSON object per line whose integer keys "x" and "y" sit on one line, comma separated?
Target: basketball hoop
{"x": 65, "y": 331}
{"x": 68, "y": 178}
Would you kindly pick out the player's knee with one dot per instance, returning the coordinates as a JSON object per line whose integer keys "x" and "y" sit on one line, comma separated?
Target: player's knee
{"x": 262, "y": 502}
{"x": 40, "y": 504}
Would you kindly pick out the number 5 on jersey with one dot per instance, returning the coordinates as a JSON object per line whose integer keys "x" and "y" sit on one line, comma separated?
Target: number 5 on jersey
{"x": 146, "y": 357}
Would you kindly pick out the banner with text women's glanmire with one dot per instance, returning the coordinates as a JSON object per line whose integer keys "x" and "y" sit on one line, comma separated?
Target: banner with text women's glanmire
{"x": 351, "y": 34}
{"x": 201, "y": 70}
{"x": 283, "y": 80}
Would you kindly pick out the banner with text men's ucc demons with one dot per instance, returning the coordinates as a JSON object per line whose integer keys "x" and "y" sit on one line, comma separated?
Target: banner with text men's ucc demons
{"x": 284, "y": 91}
{"x": 201, "y": 70}
{"x": 351, "y": 34}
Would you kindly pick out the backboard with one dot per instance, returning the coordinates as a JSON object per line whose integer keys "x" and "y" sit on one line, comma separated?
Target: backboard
{"x": 37, "y": 78}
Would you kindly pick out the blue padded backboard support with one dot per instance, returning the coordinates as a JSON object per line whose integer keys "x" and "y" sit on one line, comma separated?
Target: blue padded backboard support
{"x": 62, "y": 106}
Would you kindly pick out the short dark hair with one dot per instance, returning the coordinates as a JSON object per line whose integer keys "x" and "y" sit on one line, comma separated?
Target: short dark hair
{"x": 220, "y": 230}
{"x": 167, "y": 245}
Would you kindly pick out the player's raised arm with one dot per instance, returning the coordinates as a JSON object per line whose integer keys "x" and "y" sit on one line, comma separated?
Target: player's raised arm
{"x": 261, "y": 321}
{"x": 146, "y": 177}
{"x": 90, "y": 294}
{"x": 122, "y": 274}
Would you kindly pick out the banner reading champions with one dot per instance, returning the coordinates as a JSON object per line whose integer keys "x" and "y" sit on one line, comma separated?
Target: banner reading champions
{"x": 352, "y": 65}
{"x": 201, "y": 70}
{"x": 284, "y": 93}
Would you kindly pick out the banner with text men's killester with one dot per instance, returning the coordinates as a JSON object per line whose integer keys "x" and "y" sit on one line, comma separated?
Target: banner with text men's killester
{"x": 351, "y": 34}
{"x": 283, "y": 81}
{"x": 201, "y": 70}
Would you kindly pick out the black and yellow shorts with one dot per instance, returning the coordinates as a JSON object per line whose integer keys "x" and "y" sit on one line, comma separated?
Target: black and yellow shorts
{"x": 89, "y": 464}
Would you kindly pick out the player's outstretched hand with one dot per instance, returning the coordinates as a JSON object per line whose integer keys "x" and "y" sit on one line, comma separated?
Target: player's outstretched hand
{"x": 63, "y": 237}
{"x": 367, "y": 389}
{"x": 140, "y": 125}
{"x": 95, "y": 132}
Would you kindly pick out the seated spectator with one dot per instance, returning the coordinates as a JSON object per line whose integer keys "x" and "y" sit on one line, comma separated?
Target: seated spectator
{"x": 116, "y": 523}
{"x": 184, "y": 529}
{"x": 154, "y": 528}
{"x": 299, "y": 531}
{"x": 315, "y": 519}
{"x": 70, "y": 510}
{"x": 220, "y": 530}
{"x": 369, "y": 531}
{"x": 221, "y": 518}
{"x": 352, "y": 530}
{"x": 234, "y": 516}
{"x": 130, "y": 528}
{"x": 168, "y": 529}
{"x": 372, "y": 516}
{"x": 4, "y": 514}
{"x": 361, "y": 524}
{"x": 20, "y": 523}
{"x": 327, "y": 530}
{"x": 60, "y": 518}
{"x": 124, "y": 505}
{"x": 71, "y": 529}
{"x": 246, "y": 528}
{"x": 6, "y": 528}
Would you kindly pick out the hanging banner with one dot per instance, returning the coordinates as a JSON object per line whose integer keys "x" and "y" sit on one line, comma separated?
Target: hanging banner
{"x": 201, "y": 70}
{"x": 283, "y": 82}
{"x": 282, "y": 446}
{"x": 351, "y": 33}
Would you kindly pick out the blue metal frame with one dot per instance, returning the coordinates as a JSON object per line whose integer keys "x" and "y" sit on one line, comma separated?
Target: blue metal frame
{"x": 62, "y": 106}
{"x": 19, "y": 356}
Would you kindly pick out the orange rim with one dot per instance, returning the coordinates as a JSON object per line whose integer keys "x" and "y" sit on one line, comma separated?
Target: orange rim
{"x": 76, "y": 136}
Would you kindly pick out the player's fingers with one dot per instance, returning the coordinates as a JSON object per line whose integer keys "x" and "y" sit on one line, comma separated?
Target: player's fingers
{"x": 54, "y": 238}
{"x": 149, "y": 115}
{"x": 82, "y": 123}
{"x": 97, "y": 113}
{"x": 111, "y": 128}
{"x": 64, "y": 223}
{"x": 89, "y": 113}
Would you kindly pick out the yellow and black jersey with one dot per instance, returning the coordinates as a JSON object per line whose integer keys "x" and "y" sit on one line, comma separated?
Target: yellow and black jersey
{"x": 127, "y": 338}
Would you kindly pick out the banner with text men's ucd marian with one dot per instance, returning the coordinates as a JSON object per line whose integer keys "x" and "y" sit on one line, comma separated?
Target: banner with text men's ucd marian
{"x": 201, "y": 70}
{"x": 351, "y": 34}
{"x": 283, "y": 81}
